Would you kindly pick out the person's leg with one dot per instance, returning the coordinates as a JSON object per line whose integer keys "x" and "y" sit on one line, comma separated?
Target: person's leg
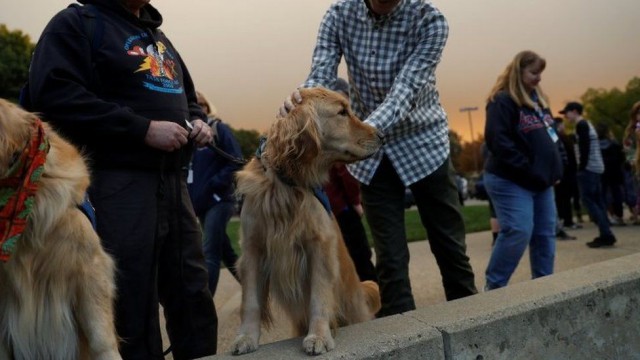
{"x": 575, "y": 196}
{"x": 214, "y": 238}
{"x": 617, "y": 202}
{"x": 126, "y": 214}
{"x": 514, "y": 207}
{"x": 542, "y": 248}
{"x": 182, "y": 277}
{"x": 229, "y": 256}
{"x": 437, "y": 201}
{"x": 563, "y": 204}
{"x": 493, "y": 222}
{"x": 591, "y": 194}
{"x": 383, "y": 202}
{"x": 355, "y": 237}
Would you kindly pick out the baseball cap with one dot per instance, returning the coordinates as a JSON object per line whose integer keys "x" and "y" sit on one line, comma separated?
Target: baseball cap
{"x": 571, "y": 106}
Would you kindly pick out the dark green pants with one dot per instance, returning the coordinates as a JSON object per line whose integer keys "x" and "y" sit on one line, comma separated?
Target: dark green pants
{"x": 437, "y": 200}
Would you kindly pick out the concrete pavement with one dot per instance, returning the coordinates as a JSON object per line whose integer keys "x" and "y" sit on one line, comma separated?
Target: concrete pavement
{"x": 425, "y": 277}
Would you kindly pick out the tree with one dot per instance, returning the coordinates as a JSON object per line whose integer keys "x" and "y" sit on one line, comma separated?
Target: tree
{"x": 470, "y": 160}
{"x": 15, "y": 54}
{"x": 611, "y": 107}
{"x": 455, "y": 147}
{"x": 248, "y": 140}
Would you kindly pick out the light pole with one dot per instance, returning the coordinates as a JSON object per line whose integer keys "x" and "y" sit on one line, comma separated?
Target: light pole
{"x": 468, "y": 110}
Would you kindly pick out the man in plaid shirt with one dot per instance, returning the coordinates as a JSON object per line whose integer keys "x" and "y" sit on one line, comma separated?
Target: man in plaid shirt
{"x": 391, "y": 49}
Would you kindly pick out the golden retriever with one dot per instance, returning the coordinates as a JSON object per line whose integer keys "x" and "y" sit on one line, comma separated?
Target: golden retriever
{"x": 292, "y": 248}
{"x": 56, "y": 288}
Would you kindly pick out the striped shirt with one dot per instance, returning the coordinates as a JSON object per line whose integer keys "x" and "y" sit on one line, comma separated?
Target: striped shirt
{"x": 587, "y": 148}
{"x": 391, "y": 62}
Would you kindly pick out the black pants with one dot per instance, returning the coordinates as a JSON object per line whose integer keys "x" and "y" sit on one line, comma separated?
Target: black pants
{"x": 146, "y": 222}
{"x": 437, "y": 199}
{"x": 355, "y": 237}
{"x": 563, "y": 193}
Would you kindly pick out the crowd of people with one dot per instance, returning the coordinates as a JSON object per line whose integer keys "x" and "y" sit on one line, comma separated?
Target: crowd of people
{"x": 163, "y": 194}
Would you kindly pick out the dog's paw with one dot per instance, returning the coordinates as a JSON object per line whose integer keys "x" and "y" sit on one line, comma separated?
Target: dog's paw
{"x": 316, "y": 345}
{"x": 244, "y": 344}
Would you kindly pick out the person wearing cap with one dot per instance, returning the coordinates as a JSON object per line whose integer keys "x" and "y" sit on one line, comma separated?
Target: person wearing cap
{"x": 522, "y": 167}
{"x": 590, "y": 170}
{"x": 391, "y": 50}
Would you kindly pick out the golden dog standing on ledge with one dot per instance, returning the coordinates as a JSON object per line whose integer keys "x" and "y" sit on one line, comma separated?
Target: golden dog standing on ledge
{"x": 292, "y": 248}
{"x": 56, "y": 281}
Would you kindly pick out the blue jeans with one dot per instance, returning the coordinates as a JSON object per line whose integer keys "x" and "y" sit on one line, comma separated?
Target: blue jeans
{"x": 526, "y": 218}
{"x": 590, "y": 185}
{"x": 216, "y": 243}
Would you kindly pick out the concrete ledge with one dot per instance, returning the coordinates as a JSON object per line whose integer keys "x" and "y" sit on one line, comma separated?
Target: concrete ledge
{"x": 589, "y": 312}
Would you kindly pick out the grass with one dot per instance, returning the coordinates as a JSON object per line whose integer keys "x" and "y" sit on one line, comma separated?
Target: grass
{"x": 476, "y": 218}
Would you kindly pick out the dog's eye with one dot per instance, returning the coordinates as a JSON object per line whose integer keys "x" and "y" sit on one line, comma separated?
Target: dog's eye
{"x": 343, "y": 112}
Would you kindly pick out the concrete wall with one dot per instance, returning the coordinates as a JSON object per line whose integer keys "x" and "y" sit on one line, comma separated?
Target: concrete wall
{"x": 592, "y": 312}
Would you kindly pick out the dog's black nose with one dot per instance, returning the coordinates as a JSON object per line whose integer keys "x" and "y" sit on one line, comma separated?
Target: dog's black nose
{"x": 380, "y": 136}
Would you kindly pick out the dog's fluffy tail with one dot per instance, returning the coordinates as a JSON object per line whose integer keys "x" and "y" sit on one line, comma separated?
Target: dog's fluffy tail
{"x": 372, "y": 295}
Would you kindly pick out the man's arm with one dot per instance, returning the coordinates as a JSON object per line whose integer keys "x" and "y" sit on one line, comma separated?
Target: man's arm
{"x": 327, "y": 53}
{"x": 584, "y": 143}
{"x": 416, "y": 74}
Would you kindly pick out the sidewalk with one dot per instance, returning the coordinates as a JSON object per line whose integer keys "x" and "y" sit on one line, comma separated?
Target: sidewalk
{"x": 426, "y": 281}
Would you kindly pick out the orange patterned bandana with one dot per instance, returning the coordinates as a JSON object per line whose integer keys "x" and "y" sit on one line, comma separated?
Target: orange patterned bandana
{"x": 18, "y": 190}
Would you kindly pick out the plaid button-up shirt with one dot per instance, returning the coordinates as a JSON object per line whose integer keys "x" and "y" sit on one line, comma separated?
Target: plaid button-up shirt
{"x": 391, "y": 62}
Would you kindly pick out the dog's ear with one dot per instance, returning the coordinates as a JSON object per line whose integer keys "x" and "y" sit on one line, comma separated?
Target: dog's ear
{"x": 293, "y": 140}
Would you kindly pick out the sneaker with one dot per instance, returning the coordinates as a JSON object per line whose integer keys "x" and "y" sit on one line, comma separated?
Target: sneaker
{"x": 562, "y": 235}
{"x": 574, "y": 226}
{"x": 599, "y": 242}
{"x": 617, "y": 221}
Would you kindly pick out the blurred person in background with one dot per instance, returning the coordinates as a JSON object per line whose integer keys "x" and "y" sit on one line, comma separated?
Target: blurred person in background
{"x": 522, "y": 167}
{"x": 210, "y": 183}
{"x": 590, "y": 170}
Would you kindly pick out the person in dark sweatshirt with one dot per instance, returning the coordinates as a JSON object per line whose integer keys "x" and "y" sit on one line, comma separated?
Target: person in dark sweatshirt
{"x": 590, "y": 170}
{"x": 522, "y": 167}
{"x": 110, "y": 81}
{"x": 210, "y": 184}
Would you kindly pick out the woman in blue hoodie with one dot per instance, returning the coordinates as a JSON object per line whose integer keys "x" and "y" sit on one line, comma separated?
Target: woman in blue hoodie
{"x": 522, "y": 167}
{"x": 210, "y": 184}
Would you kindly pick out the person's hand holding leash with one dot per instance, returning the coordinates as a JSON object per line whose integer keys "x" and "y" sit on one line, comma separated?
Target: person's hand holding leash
{"x": 290, "y": 103}
{"x": 201, "y": 133}
{"x": 166, "y": 135}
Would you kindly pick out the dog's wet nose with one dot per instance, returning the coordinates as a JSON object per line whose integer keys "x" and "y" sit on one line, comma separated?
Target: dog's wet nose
{"x": 380, "y": 136}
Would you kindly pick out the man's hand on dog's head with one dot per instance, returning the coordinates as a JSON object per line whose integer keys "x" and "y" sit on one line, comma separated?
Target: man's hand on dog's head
{"x": 289, "y": 103}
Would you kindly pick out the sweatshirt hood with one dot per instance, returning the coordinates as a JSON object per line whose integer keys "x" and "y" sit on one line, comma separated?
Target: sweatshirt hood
{"x": 150, "y": 17}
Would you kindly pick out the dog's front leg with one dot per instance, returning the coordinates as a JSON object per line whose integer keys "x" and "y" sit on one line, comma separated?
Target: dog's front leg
{"x": 321, "y": 307}
{"x": 95, "y": 308}
{"x": 253, "y": 300}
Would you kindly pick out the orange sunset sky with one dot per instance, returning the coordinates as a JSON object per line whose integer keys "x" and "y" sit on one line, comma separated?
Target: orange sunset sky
{"x": 248, "y": 55}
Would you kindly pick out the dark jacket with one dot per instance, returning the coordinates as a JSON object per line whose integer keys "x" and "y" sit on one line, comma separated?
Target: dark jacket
{"x": 103, "y": 99}
{"x": 213, "y": 174}
{"x": 613, "y": 159}
{"x": 520, "y": 148}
